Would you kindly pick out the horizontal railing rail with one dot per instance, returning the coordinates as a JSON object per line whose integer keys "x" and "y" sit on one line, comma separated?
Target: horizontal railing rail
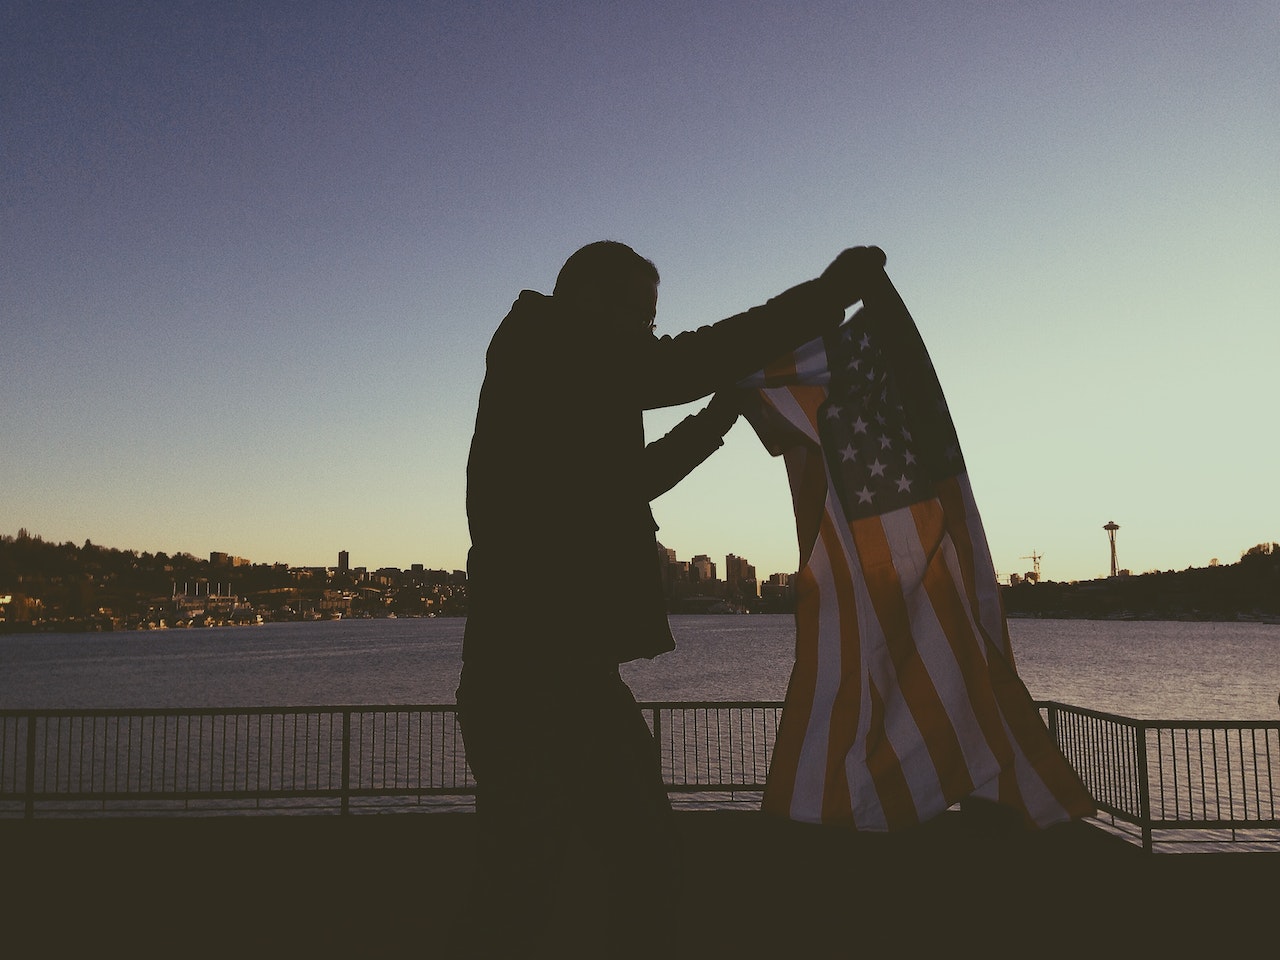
{"x": 1156, "y": 775}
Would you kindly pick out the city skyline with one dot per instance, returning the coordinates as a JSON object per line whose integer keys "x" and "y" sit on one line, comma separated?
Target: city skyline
{"x": 254, "y": 255}
{"x": 342, "y": 561}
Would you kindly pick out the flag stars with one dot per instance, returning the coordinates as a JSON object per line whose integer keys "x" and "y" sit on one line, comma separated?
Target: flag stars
{"x": 885, "y": 443}
{"x": 848, "y": 453}
{"x": 906, "y": 434}
{"x": 904, "y": 485}
{"x": 859, "y": 425}
{"x": 909, "y": 457}
{"x": 877, "y": 468}
{"x": 865, "y": 342}
{"x": 865, "y": 495}
{"x": 833, "y": 412}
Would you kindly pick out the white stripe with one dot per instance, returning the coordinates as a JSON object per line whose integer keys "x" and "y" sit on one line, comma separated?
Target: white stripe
{"x": 811, "y": 364}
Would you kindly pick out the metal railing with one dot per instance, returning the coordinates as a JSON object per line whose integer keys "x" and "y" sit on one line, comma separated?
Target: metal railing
{"x": 1155, "y": 775}
{"x": 208, "y": 759}
{"x": 1174, "y": 775}
{"x": 716, "y": 746}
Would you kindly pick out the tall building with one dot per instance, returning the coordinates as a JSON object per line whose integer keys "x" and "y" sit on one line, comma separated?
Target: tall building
{"x": 740, "y": 576}
{"x": 344, "y": 561}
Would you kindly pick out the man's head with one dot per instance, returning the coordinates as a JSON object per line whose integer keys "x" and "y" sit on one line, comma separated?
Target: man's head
{"x": 610, "y": 279}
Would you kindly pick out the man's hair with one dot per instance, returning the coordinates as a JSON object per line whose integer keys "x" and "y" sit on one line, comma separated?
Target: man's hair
{"x": 602, "y": 269}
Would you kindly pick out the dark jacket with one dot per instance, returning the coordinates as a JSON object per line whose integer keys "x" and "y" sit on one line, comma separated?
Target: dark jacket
{"x": 563, "y": 566}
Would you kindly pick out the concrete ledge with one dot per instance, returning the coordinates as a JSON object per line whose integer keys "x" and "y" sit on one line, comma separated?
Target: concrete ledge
{"x": 394, "y": 884}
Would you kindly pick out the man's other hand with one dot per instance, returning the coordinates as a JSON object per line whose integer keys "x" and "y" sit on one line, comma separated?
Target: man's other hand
{"x": 724, "y": 408}
{"x": 846, "y": 277}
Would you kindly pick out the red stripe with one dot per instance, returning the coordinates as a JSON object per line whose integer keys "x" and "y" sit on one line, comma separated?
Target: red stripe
{"x": 781, "y": 372}
{"x": 842, "y": 729}
{"x": 780, "y": 783}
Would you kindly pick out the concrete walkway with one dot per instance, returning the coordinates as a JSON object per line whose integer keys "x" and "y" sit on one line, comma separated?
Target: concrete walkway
{"x": 393, "y": 885}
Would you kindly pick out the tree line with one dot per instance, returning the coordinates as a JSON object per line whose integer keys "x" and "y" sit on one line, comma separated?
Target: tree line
{"x": 1247, "y": 590}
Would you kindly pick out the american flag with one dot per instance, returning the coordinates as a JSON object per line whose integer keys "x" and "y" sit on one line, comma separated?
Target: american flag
{"x": 903, "y": 699}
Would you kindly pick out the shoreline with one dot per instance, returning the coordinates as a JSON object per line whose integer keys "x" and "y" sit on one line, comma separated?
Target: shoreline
{"x": 47, "y": 629}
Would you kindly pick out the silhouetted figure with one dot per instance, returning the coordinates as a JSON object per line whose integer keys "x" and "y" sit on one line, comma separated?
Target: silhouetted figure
{"x": 564, "y": 584}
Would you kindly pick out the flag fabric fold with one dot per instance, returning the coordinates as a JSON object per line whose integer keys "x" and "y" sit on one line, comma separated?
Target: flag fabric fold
{"x": 903, "y": 699}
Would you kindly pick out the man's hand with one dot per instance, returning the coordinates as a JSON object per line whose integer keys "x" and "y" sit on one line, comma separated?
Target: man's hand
{"x": 848, "y": 272}
{"x": 724, "y": 408}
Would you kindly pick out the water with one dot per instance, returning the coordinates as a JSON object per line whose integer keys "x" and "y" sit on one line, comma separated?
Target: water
{"x": 1151, "y": 670}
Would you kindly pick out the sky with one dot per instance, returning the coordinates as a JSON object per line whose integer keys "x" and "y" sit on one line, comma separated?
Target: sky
{"x": 253, "y": 254}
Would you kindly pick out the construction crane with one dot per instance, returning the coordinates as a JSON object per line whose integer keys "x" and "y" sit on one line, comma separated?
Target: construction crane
{"x": 1035, "y": 564}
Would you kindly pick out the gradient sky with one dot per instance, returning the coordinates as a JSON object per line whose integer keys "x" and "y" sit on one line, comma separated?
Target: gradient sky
{"x": 253, "y": 253}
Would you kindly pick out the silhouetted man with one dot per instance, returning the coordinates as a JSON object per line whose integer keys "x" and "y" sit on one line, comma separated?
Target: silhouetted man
{"x": 564, "y": 582}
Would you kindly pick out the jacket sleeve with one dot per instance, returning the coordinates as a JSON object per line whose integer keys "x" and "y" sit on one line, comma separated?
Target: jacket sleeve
{"x": 675, "y": 370}
{"x": 672, "y": 457}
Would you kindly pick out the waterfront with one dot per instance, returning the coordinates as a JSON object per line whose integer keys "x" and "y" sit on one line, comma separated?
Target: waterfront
{"x": 1143, "y": 669}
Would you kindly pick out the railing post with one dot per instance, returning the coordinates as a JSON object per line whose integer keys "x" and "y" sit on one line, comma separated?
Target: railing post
{"x": 657, "y": 732}
{"x": 29, "y": 808}
{"x": 1144, "y": 786}
{"x": 346, "y": 762}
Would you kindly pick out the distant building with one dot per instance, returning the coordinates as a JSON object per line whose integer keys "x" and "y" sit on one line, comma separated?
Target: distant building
{"x": 778, "y": 587}
{"x": 344, "y": 562}
{"x": 704, "y": 567}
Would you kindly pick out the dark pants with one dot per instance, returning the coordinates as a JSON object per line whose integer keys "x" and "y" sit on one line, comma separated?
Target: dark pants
{"x": 575, "y": 824}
